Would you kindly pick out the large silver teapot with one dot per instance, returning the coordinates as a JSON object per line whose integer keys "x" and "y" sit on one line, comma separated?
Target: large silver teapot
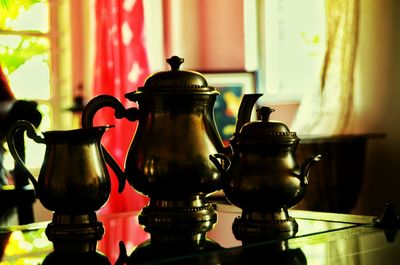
{"x": 168, "y": 159}
{"x": 176, "y": 133}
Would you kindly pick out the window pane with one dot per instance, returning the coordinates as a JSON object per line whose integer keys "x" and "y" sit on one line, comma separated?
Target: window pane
{"x": 46, "y": 111}
{"x": 25, "y": 60}
{"x": 34, "y": 151}
{"x": 301, "y": 43}
{"x": 294, "y": 47}
{"x": 30, "y": 15}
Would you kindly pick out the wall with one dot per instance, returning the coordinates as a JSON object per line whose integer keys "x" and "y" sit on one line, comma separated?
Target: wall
{"x": 377, "y": 102}
{"x": 209, "y": 34}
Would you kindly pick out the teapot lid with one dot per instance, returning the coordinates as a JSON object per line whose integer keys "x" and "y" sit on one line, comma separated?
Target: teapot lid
{"x": 265, "y": 130}
{"x": 176, "y": 80}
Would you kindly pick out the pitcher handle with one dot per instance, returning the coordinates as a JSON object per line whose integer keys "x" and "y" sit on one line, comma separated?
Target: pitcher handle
{"x": 132, "y": 114}
{"x": 32, "y": 134}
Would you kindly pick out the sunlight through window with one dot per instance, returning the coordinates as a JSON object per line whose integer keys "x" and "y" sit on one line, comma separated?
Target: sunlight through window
{"x": 32, "y": 18}
{"x": 293, "y": 34}
{"x": 25, "y": 59}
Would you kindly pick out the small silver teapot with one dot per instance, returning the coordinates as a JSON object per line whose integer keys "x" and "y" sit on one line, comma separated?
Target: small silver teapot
{"x": 264, "y": 178}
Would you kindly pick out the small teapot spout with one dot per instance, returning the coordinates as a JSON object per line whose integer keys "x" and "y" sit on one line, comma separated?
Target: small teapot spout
{"x": 306, "y": 166}
{"x": 246, "y": 106}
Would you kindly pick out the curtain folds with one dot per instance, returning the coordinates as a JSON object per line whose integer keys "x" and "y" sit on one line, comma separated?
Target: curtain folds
{"x": 327, "y": 109}
{"x": 121, "y": 66}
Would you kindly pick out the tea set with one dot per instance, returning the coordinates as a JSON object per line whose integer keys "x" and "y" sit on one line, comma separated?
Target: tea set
{"x": 177, "y": 159}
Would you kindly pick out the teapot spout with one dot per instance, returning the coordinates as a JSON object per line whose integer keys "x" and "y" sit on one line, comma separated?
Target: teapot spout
{"x": 246, "y": 106}
{"x": 306, "y": 166}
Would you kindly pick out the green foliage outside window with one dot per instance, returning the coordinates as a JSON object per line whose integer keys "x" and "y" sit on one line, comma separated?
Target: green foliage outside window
{"x": 25, "y": 47}
{"x": 25, "y": 59}
{"x": 13, "y": 56}
{"x": 10, "y": 9}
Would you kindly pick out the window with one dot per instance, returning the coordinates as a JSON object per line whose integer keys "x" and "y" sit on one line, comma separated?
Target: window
{"x": 30, "y": 55}
{"x": 291, "y": 47}
{"x": 25, "y": 50}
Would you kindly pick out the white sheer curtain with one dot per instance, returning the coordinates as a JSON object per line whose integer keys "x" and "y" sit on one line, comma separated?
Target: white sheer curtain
{"x": 326, "y": 109}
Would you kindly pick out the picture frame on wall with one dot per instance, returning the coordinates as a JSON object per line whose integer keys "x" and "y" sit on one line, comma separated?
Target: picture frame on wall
{"x": 231, "y": 86}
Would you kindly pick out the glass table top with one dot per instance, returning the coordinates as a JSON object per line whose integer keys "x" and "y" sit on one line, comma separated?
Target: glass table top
{"x": 322, "y": 238}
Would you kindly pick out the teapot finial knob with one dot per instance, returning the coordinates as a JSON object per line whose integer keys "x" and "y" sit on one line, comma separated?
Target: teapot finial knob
{"x": 265, "y": 112}
{"x": 175, "y": 62}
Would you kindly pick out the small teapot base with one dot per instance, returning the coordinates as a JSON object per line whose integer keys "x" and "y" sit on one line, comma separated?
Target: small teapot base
{"x": 253, "y": 226}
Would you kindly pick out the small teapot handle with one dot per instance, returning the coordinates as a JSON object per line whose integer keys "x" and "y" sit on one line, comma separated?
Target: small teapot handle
{"x": 32, "y": 134}
{"x": 132, "y": 114}
{"x": 305, "y": 168}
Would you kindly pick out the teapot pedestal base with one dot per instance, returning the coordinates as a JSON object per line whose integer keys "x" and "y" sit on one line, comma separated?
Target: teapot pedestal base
{"x": 178, "y": 221}
{"x": 182, "y": 214}
{"x": 251, "y": 226}
{"x": 74, "y": 232}
{"x": 176, "y": 227}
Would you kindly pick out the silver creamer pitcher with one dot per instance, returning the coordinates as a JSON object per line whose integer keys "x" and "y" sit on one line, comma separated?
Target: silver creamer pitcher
{"x": 73, "y": 183}
{"x": 73, "y": 177}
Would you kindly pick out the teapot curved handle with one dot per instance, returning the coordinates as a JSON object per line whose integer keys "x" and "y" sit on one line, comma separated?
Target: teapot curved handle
{"x": 32, "y": 134}
{"x": 305, "y": 168}
{"x": 222, "y": 166}
{"x": 132, "y": 114}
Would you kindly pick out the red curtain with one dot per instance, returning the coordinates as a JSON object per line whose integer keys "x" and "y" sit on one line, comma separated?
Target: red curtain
{"x": 120, "y": 66}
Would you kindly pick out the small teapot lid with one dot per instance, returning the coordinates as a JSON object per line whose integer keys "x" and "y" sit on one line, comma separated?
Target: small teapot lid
{"x": 265, "y": 130}
{"x": 177, "y": 81}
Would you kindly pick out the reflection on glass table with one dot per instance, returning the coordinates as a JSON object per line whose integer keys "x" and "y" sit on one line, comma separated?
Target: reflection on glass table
{"x": 323, "y": 238}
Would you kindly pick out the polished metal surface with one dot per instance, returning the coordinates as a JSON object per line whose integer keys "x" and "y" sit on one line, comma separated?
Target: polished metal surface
{"x": 175, "y": 81}
{"x": 73, "y": 178}
{"x": 75, "y": 233}
{"x": 167, "y": 215}
{"x": 264, "y": 178}
{"x": 168, "y": 159}
{"x": 73, "y": 183}
{"x": 258, "y": 226}
{"x": 176, "y": 133}
{"x": 264, "y": 175}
